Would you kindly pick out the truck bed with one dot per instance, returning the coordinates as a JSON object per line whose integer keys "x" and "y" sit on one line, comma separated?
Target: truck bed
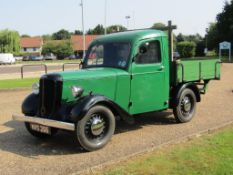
{"x": 187, "y": 70}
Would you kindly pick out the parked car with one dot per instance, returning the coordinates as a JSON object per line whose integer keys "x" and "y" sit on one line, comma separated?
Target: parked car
{"x": 25, "y": 58}
{"x": 32, "y": 58}
{"x": 18, "y": 58}
{"x": 35, "y": 58}
{"x": 7, "y": 58}
{"x": 72, "y": 57}
{"x": 50, "y": 56}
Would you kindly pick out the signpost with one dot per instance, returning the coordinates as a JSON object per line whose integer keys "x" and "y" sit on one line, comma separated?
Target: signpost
{"x": 225, "y": 46}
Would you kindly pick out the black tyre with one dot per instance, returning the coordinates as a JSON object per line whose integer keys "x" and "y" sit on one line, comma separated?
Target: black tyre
{"x": 186, "y": 107}
{"x": 96, "y": 128}
{"x": 38, "y": 134}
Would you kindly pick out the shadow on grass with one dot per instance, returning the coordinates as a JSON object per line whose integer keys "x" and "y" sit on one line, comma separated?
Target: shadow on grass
{"x": 19, "y": 141}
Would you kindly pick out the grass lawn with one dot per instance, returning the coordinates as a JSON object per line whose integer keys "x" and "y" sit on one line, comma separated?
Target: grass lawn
{"x": 49, "y": 62}
{"x": 209, "y": 155}
{"x": 17, "y": 83}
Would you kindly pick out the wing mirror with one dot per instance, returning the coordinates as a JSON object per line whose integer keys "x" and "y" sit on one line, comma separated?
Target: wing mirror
{"x": 143, "y": 48}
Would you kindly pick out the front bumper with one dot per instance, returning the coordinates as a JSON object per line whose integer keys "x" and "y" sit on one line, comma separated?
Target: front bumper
{"x": 44, "y": 122}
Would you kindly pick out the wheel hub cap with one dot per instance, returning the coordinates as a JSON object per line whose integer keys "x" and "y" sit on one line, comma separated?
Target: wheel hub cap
{"x": 97, "y": 126}
{"x": 186, "y": 104}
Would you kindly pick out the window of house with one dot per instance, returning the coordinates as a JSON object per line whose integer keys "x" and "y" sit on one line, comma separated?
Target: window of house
{"x": 25, "y": 49}
{"x": 34, "y": 49}
{"x": 152, "y": 55}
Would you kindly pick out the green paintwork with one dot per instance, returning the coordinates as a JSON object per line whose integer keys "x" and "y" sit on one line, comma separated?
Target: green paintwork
{"x": 150, "y": 83}
{"x": 132, "y": 36}
{"x": 109, "y": 82}
{"x": 195, "y": 70}
{"x": 149, "y": 88}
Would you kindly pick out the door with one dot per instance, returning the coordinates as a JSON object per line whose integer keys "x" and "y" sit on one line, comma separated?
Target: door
{"x": 148, "y": 85}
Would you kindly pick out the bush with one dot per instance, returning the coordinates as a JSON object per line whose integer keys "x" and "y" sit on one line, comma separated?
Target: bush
{"x": 61, "y": 49}
{"x": 21, "y": 54}
{"x": 186, "y": 49}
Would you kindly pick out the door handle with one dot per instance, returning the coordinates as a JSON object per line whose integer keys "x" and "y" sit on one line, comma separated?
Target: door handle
{"x": 161, "y": 68}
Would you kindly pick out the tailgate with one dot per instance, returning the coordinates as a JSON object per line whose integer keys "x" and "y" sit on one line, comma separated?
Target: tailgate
{"x": 197, "y": 70}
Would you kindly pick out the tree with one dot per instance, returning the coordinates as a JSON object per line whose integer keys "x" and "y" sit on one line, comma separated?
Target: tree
{"x": 212, "y": 36}
{"x": 78, "y": 32}
{"x": 61, "y": 35}
{"x": 158, "y": 25}
{"x": 9, "y": 41}
{"x": 200, "y": 47}
{"x": 197, "y": 39}
{"x": 192, "y": 38}
{"x": 116, "y": 28}
{"x": 25, "y": 36}
{"x": 225, "y": 23}
{"x": 61, "y": 49}
{"x": 98, "y": 30}
{"x": 48, "y": 48}
{"x": 47, "y": 37}
{"x": 180, "y": 38}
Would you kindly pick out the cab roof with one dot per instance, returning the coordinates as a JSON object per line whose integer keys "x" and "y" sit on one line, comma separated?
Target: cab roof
{"x": 131, "y": 36}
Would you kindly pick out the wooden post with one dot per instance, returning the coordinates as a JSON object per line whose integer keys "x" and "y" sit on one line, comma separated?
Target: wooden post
{"x": 170, "y": 38}
{"x": 170, "y": 29}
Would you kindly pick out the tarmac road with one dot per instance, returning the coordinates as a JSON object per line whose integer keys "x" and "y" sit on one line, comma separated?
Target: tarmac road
{"x": 20, "y": 153}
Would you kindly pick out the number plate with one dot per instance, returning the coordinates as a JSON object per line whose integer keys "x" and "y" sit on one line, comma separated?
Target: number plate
{"x": 41, "y": 129}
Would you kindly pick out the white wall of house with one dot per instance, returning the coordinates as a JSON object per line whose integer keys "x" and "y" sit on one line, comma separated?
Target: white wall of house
{"x": 31, "y": 50}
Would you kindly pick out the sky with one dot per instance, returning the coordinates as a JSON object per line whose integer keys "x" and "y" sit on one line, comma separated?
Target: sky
{"x": 38, "y": 17}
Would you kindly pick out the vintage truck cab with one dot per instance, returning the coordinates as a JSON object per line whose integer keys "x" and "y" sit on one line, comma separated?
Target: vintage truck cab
{"x": 122, "y": 75}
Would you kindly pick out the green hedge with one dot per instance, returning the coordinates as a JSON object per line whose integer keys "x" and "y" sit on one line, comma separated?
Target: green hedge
{"x": 186, "y": 49}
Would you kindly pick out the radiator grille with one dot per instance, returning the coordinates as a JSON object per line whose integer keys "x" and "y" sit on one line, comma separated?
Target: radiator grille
{"x": 50, "y": 95}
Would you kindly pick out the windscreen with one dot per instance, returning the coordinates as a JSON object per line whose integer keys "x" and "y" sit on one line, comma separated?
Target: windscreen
{"x": 108, "y": 55}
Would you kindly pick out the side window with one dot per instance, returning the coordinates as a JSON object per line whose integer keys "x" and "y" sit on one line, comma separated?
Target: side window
{"x": 151, "y": 55}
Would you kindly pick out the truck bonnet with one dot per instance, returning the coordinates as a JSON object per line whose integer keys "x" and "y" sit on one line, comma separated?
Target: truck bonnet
{"x": 101, "y": 81}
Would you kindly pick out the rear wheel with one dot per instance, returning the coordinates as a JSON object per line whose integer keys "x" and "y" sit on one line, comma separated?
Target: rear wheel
{"x": 185, "y": 110}
{"x": 96, "y": 128}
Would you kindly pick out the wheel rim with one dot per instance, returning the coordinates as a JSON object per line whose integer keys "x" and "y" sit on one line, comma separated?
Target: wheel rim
{"x": 96, "y": 127}
{"x": 187, "y": 105}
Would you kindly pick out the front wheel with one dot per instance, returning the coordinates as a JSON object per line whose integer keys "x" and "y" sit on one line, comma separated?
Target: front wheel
{"x": 96, "y": 128}
{"x": 185, "y": 110}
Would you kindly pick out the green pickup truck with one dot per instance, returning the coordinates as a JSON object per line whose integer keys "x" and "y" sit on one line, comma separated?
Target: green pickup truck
{"x": 123, "y": 74}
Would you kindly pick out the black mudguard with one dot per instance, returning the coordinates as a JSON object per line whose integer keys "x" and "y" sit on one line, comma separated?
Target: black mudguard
{"x": 30, "y": 105}
{"x": 83, "y": 105}
{"x": 176, "y": 92}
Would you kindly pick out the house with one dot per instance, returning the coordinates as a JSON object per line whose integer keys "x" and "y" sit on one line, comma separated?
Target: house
{"x": 31, "y": 45}
{"x": 77, "y": 43}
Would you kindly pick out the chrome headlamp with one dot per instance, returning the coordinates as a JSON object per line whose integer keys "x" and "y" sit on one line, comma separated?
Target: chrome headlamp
{"x": 36, "y": 88}
{"x": 76, "y": 91}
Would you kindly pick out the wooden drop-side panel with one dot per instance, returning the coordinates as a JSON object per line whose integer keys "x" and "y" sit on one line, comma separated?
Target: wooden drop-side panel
{"x": 195, "y": 70}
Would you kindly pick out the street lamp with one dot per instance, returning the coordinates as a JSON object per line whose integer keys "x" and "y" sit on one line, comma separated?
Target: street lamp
{"x": 105, "y": 18}
{"x": 206, "y": 44}
{"x": 127, "y": 18}
{"x": 84, "y": 38}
